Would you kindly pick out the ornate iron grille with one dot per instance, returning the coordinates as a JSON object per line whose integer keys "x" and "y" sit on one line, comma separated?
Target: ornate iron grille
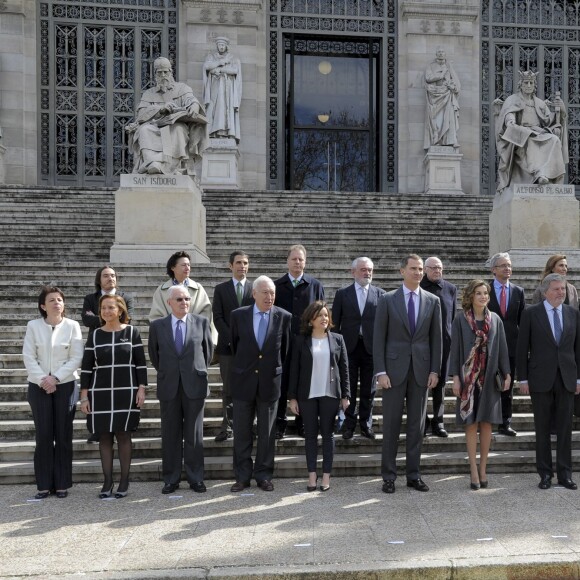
{"x": 375, "y": 19}
{"x": 96, "y": 57}
{"x": 540, "y": 35}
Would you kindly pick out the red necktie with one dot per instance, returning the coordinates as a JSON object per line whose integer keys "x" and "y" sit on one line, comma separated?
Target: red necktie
{"x": 502, "y": 301}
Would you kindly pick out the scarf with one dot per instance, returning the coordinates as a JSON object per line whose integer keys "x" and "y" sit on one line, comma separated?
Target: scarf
{"x": 474, "y": 367}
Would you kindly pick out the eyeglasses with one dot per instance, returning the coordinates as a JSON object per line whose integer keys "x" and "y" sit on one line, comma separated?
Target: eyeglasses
{"x": 188, "y": 299}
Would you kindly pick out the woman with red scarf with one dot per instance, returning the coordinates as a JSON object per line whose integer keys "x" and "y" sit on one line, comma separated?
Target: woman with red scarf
{"x": 478, "y": 351}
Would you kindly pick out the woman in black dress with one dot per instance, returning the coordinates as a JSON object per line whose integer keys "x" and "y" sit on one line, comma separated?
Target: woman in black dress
{"x": 113, "y": 381}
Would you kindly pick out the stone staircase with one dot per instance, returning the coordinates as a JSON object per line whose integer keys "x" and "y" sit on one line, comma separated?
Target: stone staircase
{"x": 62, "y": 235}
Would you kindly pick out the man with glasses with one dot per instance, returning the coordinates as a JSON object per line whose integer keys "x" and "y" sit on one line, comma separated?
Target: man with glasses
{"x": 180, "y": 349}
{"x": 508, "y": 301}
{"x": 434, "y": 283}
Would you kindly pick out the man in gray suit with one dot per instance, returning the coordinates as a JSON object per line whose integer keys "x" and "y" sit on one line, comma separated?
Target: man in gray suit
{"x": 407, "y": 360}
{"x": 180, "y": 349}
{"x": 548, "y": 365}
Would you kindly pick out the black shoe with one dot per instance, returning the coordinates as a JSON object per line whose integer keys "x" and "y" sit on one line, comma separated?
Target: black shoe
{"x": 474, "y": 486}
{"x": 222, "y": 436}
{"x": 484, "y": 484}
{"x": 439, "y": 431}
{"x": 367, "y": 432}
{"x": 567, "y": 483}
{"x": 279, "y": 434}
{"x": 61, "y": 494}
{"x": 301, "y": 432}
{"x": 198, "y": 487}
{"x": 418, "y": 484}
{"x": 545, "y": 482}
{"x": 507, "y": 430}
{"x": 324, "y": 487}
{"x": 389, "y": 486}
{"x": 239, "y": 486}
{"x": 348, "y": 434}
{"x": 42, "y": 495}
{"x": 169, "y": 488}
{"x": 93, "y": 438}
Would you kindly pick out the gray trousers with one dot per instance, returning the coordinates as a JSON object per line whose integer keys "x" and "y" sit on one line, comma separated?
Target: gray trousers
{"x": 182, "y": 437}
{"x": 225, "y": 361}
{"x": 393, "y": 399}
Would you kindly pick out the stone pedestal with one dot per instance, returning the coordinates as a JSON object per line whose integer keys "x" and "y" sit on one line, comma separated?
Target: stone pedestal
{"x": 157, "y": 215}
{"x": 2, "y": 166}
{"x": 533, "y": 222}
{"x": 442, "y": 170}
{"x": 219, "y": 168}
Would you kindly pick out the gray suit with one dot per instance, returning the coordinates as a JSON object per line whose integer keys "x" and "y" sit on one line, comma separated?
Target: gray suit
{"x": 407, "y": 360}
{"x": 182, "y": 386}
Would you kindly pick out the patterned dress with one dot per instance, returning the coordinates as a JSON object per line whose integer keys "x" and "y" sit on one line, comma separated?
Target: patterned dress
{"x": 113, "y": 367}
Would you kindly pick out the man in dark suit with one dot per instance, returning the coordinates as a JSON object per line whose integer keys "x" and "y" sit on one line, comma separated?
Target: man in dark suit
{"x": 180, "y": 349}
{"x": 407, "y": 360}
{"x": 548, "y": 363}
{"x": 508, "y": 301}
{"x": 227, "y": 296}
{"x": 353, "y": 314}
{"x": 260, "y": 344}
{"x": 105, "y": 283}
{"x": 447, "y": 293}
{"x": 294, "y": 292}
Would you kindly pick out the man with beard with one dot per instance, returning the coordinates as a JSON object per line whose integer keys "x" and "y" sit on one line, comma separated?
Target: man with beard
{"x": 170, "y": 126}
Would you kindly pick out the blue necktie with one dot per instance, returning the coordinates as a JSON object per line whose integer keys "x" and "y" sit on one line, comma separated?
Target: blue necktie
{"x": 557, "y": 326}
{"x": 179, "y": 337}
{"x": 262, "y": 328}
{"x": 411, "y": 312}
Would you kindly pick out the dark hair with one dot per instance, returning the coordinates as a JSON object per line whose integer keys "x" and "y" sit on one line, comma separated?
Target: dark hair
{"x": 99, "y": 274}
{"x": 124, "y": 318}
{"x": 406, "y": 259}
{"x": 469, "y": 293}
{"x": 172, "y": 262}
{"x": 551, "y": 264}
{"x": 233, "y": 255}
{"x": 312, "y": 311}
{"x": 44, "y": 292}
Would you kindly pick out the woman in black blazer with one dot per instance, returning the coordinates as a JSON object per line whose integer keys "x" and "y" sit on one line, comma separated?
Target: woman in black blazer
{"x": 318, "y": 383}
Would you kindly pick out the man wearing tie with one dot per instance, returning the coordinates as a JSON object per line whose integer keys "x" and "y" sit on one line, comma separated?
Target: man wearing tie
{"x": 407, "y": 362}
{"x": 260, "y": 340}
{"x": 353, "y": 314}
{"x": 508, "y": 301}
{"x": 548, "y": 363}
{"x": 294, "y": 292}
{"x": 227, "y": 296}
{"x": 180, "y": 349}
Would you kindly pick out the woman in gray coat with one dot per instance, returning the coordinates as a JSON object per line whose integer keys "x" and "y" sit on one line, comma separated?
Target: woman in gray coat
{"x": 478, "y": 350}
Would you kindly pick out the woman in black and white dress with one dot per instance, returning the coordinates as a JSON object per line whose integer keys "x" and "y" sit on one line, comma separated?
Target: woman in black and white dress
{"x": 318, "y": 384}
{"x": 113, "y": 381}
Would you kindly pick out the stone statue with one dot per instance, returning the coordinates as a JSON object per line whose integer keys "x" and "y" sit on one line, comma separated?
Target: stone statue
{"x": 222, "y": 91}
{"x": 442, "y": 88}
{"x": 532, "y": 141}
{"x": 170, "y": 130}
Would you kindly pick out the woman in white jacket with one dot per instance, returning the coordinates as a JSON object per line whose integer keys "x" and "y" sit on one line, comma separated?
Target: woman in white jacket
{"x": 52, "y": 351}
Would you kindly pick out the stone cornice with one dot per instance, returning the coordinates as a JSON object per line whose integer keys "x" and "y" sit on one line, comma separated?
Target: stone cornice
{"x": 466, "y": 11}
{"x": 243, "y": 4}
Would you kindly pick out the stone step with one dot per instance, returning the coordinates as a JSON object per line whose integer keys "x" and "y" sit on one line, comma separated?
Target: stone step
{"x": 20, "y": 472}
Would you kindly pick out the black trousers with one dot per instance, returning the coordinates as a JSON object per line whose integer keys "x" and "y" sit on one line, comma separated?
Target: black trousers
{"x": 53, "y": 420}
{"x": 318, "y": 414}
{"x": 560, "y": 401}
{"x": 244, "y": 413}
{"x": 508, "y": 396}
{"x": 360, "y": 364}
{"x": 225, "y": 361}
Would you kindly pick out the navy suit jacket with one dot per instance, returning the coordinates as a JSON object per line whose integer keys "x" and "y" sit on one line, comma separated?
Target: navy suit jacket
{"x": 257, "y": 373}
{"x": 296, "y": 299}
{"x": 225, "y": 301}
{"x": 511, "y": 322}
{"x": 347, "y": 318}
{"x": 539, "y": 356}
{"x": 300, "y": 373}
{"x": 190, "y": 366}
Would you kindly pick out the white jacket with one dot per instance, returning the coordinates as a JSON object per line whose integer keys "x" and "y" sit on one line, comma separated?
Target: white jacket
{"x": 57, "y": 352}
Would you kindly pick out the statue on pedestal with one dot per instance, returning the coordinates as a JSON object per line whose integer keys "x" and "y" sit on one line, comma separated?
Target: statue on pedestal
{"x": 442, "y": 88}
{"x": 222, "y": 91}
{"x": 532, "y": 140}
{"x": 170, "y": 130}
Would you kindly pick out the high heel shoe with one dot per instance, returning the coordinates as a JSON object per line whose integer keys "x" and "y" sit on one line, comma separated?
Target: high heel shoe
{"x": 312, "y": 487}
{"x": 474, "y": 486}
{"x": 106, "y": 492}
{"x": 324, "y": 487}
{"x": 122, "y": 490}
{"x": 483, "y": 484}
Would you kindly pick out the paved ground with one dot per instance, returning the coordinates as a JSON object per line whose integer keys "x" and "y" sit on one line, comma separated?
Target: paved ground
{"x": 511, "y": 530}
